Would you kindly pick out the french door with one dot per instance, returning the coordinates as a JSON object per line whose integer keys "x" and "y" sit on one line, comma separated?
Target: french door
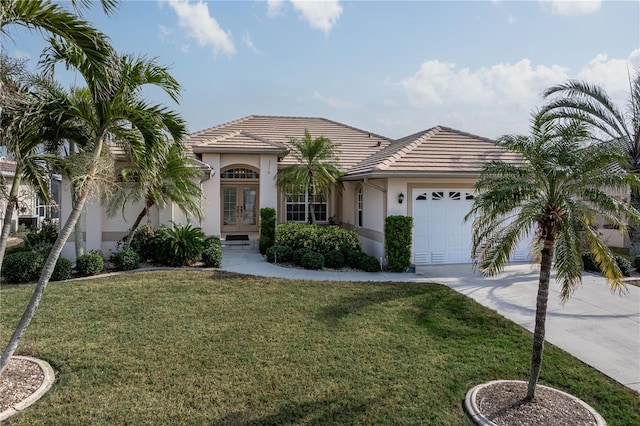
{"x": 239, "y": 207}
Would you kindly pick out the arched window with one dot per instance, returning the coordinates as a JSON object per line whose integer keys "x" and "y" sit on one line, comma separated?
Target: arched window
{"x": 359, "y": 205}
{"x": 239, "y": 173}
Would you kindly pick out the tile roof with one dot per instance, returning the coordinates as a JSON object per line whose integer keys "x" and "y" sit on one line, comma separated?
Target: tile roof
{"x": 262, "y": 134}
{"x": 439, "y": 150}
{"x": 7, "y": 167}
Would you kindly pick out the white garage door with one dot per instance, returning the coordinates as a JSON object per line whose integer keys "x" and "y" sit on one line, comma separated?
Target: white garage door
{"x": 440, "y": 234}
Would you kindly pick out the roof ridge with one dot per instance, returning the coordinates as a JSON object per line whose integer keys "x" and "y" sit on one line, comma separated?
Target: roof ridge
{"x": 355, "y": 128}
{"x": 472, "y": 135}
{"x": 239, "y": 120}
{"x": 260, "y": 139}
{"x": 408, "y": 143}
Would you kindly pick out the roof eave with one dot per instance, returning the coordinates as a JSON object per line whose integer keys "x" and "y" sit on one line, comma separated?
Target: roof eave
{"x": 408, "y": 174}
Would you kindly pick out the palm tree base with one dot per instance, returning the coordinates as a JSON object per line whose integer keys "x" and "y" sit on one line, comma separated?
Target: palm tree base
{"x": 503, "y": 402}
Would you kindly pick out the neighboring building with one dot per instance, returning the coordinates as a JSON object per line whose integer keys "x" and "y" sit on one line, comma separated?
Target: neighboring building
{"x": 428, "y": 175}
{"x": 31, "y": 210}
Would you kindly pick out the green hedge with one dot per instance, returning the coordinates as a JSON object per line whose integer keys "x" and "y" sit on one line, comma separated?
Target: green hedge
{"x": 126, "y": 260}
{"x": 267, "y": 228}
{"x": 212, "y": 252}
{"x": 321, "y": 239}
{"x": 89, "y": 264}
{"x": 397, "y": 236}
{"x": 22, "y": 267}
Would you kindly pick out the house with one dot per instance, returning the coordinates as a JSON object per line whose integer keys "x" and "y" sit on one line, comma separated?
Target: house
{"x": 428, "y": 176}
{"x": 31, "y": 210}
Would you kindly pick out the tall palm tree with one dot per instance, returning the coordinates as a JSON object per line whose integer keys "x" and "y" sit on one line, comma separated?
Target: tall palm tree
{"x": 314, "y": 172}
{"x": 50, "y": 18}
{"x": 173, "y": 178}
{"x": 92, "y": 118}
{"x": 21, "y": 130}
{"x": 608, "y": 122}
{"x": 557, "y": 191}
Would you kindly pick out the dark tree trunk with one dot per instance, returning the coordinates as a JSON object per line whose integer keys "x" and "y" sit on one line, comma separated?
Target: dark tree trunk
{"x": 541, "y": 316}
{"x": 143, "y": 213}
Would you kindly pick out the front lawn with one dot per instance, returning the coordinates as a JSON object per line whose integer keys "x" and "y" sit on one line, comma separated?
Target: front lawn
{"x": 198, "y": 347}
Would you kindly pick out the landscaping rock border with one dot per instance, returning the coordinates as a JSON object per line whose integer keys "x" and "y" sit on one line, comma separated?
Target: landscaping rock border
{"x": 47, "y": 381}
{"x": 473, "y": 410}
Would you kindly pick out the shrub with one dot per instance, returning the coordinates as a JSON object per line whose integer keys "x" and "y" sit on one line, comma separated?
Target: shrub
{"x": 296, "y": 235}
{"x": 354, "y": 257}
{"x": 589, "y": 263}
{"x": 267, "y": 228}
{"x": 636, "y": 263}
{"x": 334, "y": 238}
{"x": 126, "y": 260}
{"x": 264, "y": 243}
{"x": 22, "y": 267}
{"x": 180, "y": 245}
{"x": 334, "y": 259}
{"x": 143, "y": 243}
{"x": 47, "y": 234}
{"x": 212, "y": 252}
{"x": 624, "y": 265}
{"x": 279, "y": 254}
{"x": 63, "y": 270}
{"x": 43, "y": 248}
{"x": 369, "y": 263}
{"x": 312, "y": 260}
{"x": 16, "y": 249}
{"x": 397, "y": 236}
{"x": 321, "y": 239}
{"x": 298, "y": 254}
{"x": 89, "y": 264}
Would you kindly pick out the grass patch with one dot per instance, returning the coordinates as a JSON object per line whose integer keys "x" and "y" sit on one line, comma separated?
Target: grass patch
{"x": 194, "y": 347}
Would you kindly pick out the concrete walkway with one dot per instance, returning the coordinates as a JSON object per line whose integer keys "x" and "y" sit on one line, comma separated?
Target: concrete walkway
{"x": 596, "y": 326}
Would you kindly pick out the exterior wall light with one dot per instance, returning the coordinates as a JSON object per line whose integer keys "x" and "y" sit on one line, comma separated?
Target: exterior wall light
{"x": 400, "y": 198}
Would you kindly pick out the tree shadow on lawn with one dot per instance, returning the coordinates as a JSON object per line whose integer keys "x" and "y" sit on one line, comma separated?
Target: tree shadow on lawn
{"x": 323, "y": 412}
{"x": 387, "y": 292}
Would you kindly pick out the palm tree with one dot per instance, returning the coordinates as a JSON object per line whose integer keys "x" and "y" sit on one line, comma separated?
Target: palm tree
{"x": 21, "y": 127}
{"x": 43, "y": 15}
{"x": 174, "y": 178}
{"x": 53, "y": 19}
{"x": 92, "y": 118}
{"x": 557, "y": 191}
{"x": 314, "y": 172}
{"x": 609, "y": 124}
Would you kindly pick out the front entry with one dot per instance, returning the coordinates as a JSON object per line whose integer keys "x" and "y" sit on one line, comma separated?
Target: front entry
{"x": 239, "y": 208}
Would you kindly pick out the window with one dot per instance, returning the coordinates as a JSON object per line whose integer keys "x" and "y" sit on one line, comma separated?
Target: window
{"x": 296, "y": 207}
{"x": 359, "y": 206}
{"x": 239, "y": 173}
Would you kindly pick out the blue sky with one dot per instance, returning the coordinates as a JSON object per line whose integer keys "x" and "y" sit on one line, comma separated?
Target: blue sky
{"x": 392, "y": 68}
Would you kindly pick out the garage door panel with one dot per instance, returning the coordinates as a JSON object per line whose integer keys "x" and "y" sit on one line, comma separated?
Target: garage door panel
{"x": 440, "y": 234}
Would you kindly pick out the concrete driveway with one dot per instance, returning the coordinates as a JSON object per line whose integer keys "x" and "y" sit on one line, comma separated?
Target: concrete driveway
{"x": 596, "y": 326}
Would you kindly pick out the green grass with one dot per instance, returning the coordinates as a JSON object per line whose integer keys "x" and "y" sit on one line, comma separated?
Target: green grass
{"x": 189, "y": 347}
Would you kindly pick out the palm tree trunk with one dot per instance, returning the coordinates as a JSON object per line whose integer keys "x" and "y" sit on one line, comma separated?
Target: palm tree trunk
{"x": 78, "y": 240}
{"x": 634, "y": 228}
{"x": 8, "y": 213}
{"x": 541, "y": 317}
{"x": 143, "y": 213}
{"x": 47, "y": 270}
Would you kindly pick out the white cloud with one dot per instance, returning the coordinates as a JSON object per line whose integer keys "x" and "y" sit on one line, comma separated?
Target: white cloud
{"x": 335, "y": 102}
{"x": 319, "y": 14}
{"x": 389, "y": 102}
{"x": 249, "y": 43}
{"x": 574, "y": 7}
{"x": 611, "y": 74}
{"x": 201, "y": 26}
{"x": 440, "y": 83}
{"x": 274, "y": 8}
{"x": 21, "y": 55}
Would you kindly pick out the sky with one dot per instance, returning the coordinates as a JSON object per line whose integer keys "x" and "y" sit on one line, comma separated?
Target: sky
{"x": 392, "y": 68}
